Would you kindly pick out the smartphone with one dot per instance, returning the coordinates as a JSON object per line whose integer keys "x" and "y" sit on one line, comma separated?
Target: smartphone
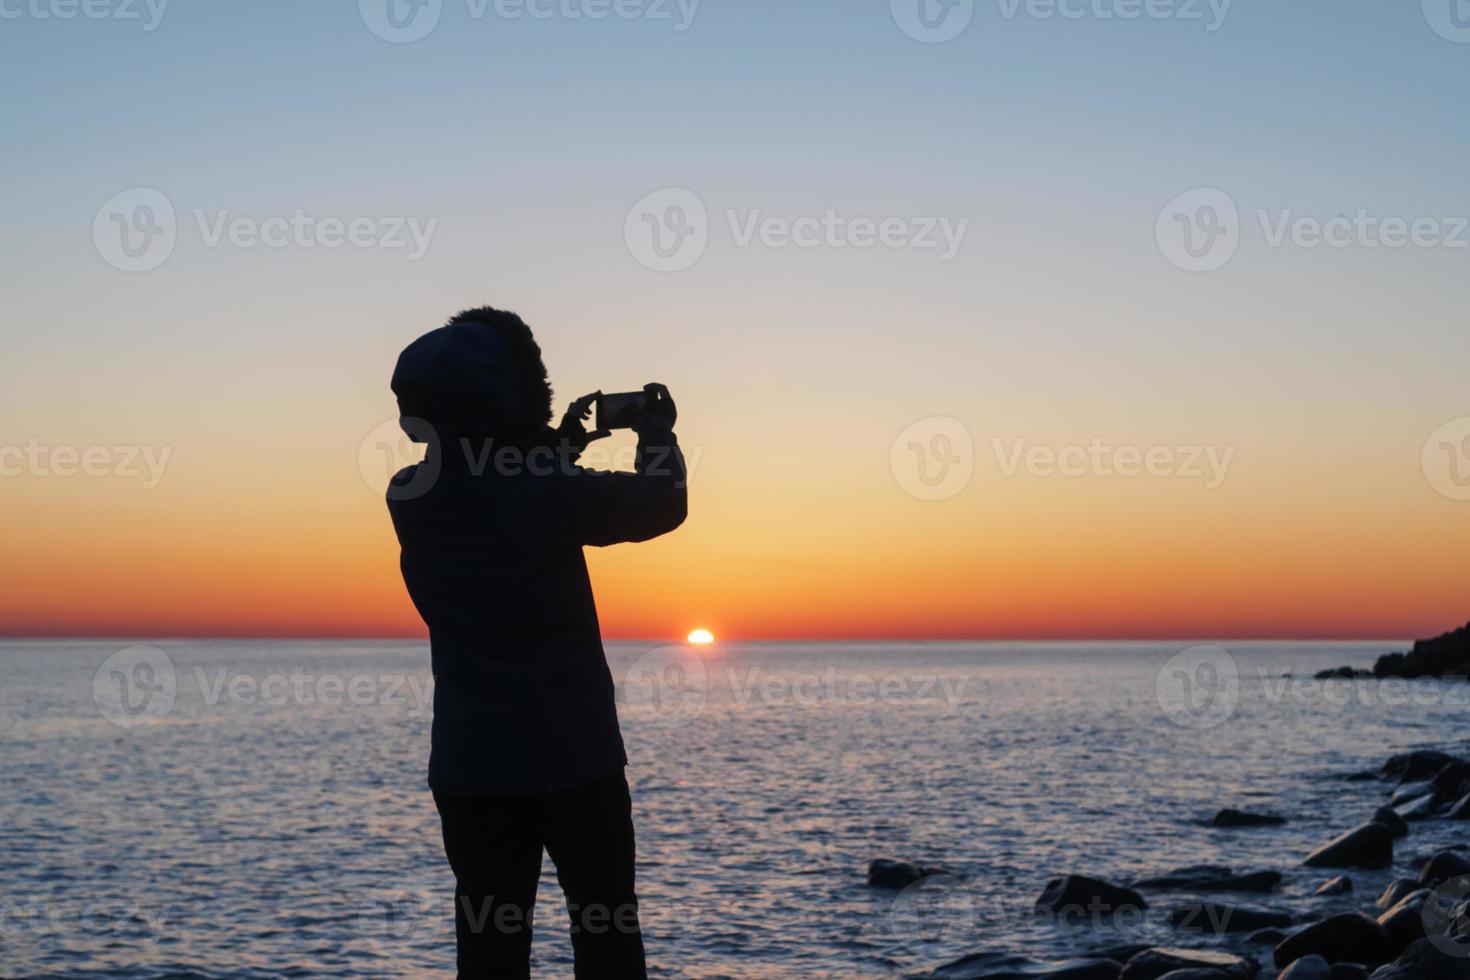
{"x": 619, "y": 411}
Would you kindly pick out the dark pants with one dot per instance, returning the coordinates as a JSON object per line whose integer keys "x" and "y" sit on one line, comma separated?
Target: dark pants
{"x": 494, "y": 847}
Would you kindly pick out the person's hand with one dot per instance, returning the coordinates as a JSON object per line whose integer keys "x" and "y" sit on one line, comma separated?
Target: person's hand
{"x": 572, "y": 428}
{"x": 658, "y": 413}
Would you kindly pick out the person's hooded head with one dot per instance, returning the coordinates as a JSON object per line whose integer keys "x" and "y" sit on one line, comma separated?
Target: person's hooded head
{"x": 481, "y": 374}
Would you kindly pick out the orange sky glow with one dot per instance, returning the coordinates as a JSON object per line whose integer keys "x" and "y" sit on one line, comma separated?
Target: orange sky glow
{"x": 308, "y": 552}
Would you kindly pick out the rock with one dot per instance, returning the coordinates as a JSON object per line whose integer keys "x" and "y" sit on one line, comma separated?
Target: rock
{"x": 1395, "y": 891}
{"x": 1423, "y": 961}
{"x": 1122, "y": 953}
{"x": 1453, "y": 780}
{"x": 1368, "y": 846}
{"x": 1447, "y": 655}
{"x": 1349, "y": 971}
{"x": 1242, "y": 818}
{"x": 884, "y": 873}
{"x": 1212, "y": 878}
{"x": 1151, "y": 964}
{"x": 1447, "y": 924}
{"x": 1442, "y": 867}
{"x": 1254, "y": 881}
{"x": 1266, "y": 937}
{"x": 1416, "y": 765}
{"x": 1340, "y": 885}
{"x": 1390, "y": 818}
{"x": 1448, "y": 928}
{"x": 1307, "y": 968}
{"x": 1390, "y": 665}
{"x": 1412, "y": 791}
{"x": 1332, "y": 673}
{"x": 1405, "y": 920}
{"x": 1005, "y": 966}
{"x": 1422, "y": 808}
{"x": 1215, "y": 919}
{"x": 1079, "y": 894}
{"x": 1348, "y": 938}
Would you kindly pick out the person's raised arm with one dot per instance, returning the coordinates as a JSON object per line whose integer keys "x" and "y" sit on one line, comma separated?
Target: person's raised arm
{"x": 609, "y": 508}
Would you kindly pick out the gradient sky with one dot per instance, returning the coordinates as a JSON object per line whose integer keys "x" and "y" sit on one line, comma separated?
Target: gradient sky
{"x": 1060, "y": 320}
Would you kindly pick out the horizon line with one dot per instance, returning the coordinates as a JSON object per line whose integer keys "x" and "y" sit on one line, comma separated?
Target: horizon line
{"x": 911, "y": 638}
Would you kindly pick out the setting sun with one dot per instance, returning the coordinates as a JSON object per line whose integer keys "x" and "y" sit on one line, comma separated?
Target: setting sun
{"x": 701, "y": 637}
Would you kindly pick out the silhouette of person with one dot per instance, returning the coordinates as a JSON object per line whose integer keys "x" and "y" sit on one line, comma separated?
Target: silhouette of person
{"x": 526, "y": 753}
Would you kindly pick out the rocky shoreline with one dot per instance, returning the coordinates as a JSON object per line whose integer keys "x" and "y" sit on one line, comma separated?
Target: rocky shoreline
{"x": 1418, "y": 928}
{"x": 1446, "y": 656}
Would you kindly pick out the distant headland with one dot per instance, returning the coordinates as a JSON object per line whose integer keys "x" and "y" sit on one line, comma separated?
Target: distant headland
{"x": 1447, "y": 656}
